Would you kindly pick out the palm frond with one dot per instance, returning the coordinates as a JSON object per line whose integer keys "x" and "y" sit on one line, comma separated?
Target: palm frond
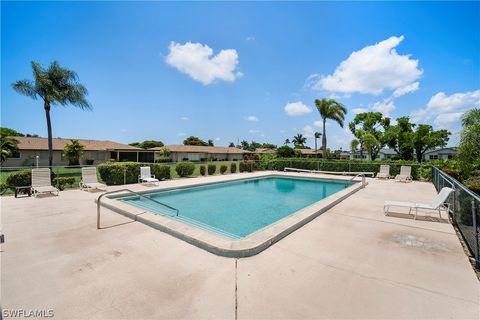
{"x": 25, "y": 87}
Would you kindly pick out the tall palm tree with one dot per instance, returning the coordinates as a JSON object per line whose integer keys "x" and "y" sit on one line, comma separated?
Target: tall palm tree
{"x": 316, "y": 135}
{"x": 330, "y": 109}
{"x": 55, "y": 85}
{"x": 287, "y": 142}
{"x": 299, "y": 140}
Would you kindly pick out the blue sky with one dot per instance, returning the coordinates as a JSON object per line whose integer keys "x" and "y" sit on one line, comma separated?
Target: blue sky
{"x": 228, "y": 71}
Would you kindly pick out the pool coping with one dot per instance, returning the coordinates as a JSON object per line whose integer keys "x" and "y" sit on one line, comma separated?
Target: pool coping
{"x": 221, "y": 245}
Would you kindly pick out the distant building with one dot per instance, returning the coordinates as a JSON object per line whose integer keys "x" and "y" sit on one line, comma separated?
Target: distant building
{"x": 440, "y": 154}
{"x": 31, "y": 149}
{"x": 182, "y": 152}
{"x": 383, "y": 154}
{"x": 311, "y": 152}
{"x": 265, "y": 151}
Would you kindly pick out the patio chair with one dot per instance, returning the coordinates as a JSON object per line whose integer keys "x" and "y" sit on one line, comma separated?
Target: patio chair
{"x": 405, "y": 174}
{"x": 89, "y": 180}
{"x": 438, "y": 203}
{"x": 41, "y": 182}
{"x": 146, "y": 176}
{"x": 384, "y": 172}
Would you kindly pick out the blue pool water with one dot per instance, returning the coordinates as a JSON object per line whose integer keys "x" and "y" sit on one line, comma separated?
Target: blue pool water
{"x": 237, "y": 209}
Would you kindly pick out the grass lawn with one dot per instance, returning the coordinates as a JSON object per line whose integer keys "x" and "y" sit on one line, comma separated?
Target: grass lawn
{"x": 77, "y": 172}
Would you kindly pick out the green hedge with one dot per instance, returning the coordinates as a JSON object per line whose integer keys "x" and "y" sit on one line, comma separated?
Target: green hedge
{"x": 346, "y": 166}
{"x": 211, "y": 169}
{"x": 223, "y": 168}
{"x": 185, "y": 168}
{"x": 128, "y": 172}
{"x": 233, "y": 167}
{"x": 19, "y": 179}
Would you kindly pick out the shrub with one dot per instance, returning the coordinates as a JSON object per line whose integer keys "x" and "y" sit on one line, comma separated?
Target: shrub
{"x": 89, "y": 162}
{"x": 426, "y": 173}
{"x": 161, "y": 172}
{"x": 185, "y": 168}
{"x": 3, "y": 187}
{"x": 211, "y": 169}
{"x": 116, "y": 173}
{"x": 203, "y": 170}
{"x": 19, "y": 179}
{"x": 452, "y": 173}
{"x": 163, "y": 160}
{"x": 242, "y": 167}
{"x": 233, "y": 167}
{"x": 62, "y": 182}
{"x": 223, "y": 168}
{"x": 473, "y": 184}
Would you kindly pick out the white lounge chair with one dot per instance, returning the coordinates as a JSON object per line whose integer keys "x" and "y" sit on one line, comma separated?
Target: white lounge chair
{"x": 41, "y": 182}
{"x": 405, "y": 174}
{"x": 438, "y": 203}
{"x": 384, "y": 172}
{"x": 146, "y": 176}
{"x": 89, "y": 180}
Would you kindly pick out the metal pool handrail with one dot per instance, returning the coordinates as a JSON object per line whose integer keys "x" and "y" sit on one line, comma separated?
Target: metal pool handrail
{"x": 363, "y": 179}
{"x": 136, "y": 193}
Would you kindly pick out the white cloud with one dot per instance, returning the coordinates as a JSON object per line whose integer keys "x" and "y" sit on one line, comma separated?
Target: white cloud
{"x": 250, "y": 38}
{"x": 446, "y": 120}
{"x": 406, "y": 89}
{"x": 297, "y": 109}
{"x": 253, "y": 131}
{"x": 318, "y": 123}
{"x": 197, "y": 61}
{"x": 217, "y": 139}
{"x": 184, "y": 118}
{"x": 447, "y": 110}
{"x": 181, "y": 134}
{"x": 385, "y": 107}
{"x": 359, "y": 110}
{"x": 251, "y": 118}
{"x": 457, "y": 101}
{"x": 308, "y": 131}
{"x": 373, "y": 70}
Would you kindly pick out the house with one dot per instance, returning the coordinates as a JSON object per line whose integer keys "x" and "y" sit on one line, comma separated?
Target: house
{"x": 344, "y": 155}
{"x": 265, "y": 151}
{"x": 383, "y": 154}
{"x": 180, "y": 152}
{"x": 311, "y": 152}
{"x": 34, "y": 150}
{"x": 440, "y": 154}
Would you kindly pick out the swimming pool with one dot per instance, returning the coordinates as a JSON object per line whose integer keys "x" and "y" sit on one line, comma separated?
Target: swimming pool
{"x": 234, "y": 215}
{"x": 238, "y": 209}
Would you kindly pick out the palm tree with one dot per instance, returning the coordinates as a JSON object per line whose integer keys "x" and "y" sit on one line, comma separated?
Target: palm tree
{"x": 299, "y": 140}
{"x": 316, "y": 135}
{"x": 330, "y": 109}
{"x": 73, "y": 152}
{"x": 287, "y": 142}
{"x": 55, "y": 85}
{"x": 8, "y": 147}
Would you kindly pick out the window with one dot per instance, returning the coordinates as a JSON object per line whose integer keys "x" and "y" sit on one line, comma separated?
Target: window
{"x": 15, "y": 155}
{"x": 433, "y": 157}
{"x": 450, "y": 157}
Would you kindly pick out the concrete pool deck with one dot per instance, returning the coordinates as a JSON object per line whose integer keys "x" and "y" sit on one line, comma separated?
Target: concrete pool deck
{"x": 350, "y": 262}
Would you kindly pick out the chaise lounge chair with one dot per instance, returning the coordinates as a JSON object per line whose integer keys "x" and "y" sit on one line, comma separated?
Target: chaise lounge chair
{"x": 405, "y": 174}
{"x": 89, "y": 180}
{"x": 146, "y": 176}
{"x": 41, "y": 182}
{"x": 438, "y": 203}
{"x": 384, "y": 172}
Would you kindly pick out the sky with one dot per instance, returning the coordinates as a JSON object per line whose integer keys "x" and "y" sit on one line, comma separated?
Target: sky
{"x": 234, "y": 71}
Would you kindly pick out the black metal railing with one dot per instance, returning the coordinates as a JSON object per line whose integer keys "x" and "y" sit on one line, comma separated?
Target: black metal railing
{"x": 464, "y": 210}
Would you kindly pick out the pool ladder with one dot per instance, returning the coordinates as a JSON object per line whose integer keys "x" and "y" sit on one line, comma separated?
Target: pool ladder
{"x": 135, "y": 193}
{"x": 363, "y": 179}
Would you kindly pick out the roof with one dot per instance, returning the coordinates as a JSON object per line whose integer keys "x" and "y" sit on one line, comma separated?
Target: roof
{"x": 388, "y": 151}
{"x": 265, "y": 151}
{"x": 202, "y": 149}
{"x": 451, "y": 150}
{"x": 37, "y": 143}
{"x": 310, "y": 151}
